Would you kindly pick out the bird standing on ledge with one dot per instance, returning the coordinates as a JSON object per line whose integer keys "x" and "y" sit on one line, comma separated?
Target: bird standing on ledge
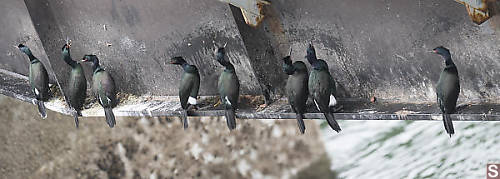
{"x": 103, "y": 87}
{"x": 229, "y": 87}
{"x": 189, "y": 86}
{"x": 39, "y": 80}
{"x": 321, "y": 87}
{"x": 77, "y": 86}
{"x": 296, "y": 88}
{"x": 447, "y": 88}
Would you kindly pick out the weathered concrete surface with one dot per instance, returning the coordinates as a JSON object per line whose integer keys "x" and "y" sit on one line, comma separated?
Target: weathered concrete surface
{"x": 134, "y": 39}
{"x": 379, "y": 48}
{"x": 374, "y": 48}
{"x": 17, "y": 27}
{"x": 146, "y": 148}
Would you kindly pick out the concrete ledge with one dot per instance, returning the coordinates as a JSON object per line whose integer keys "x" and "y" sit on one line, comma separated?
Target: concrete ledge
{"x": 16, "y": 86}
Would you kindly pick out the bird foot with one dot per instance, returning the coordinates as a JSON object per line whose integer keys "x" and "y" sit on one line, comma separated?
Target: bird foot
{"x": 192, "y": 107}
{"x": 261, "y": 107}
{"x": 336, "y": 108}
{"x": 217, "y": 104}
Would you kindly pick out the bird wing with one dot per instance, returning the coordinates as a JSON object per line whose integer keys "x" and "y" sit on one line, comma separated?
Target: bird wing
{"x": 184, "y": 90}
{"x": 291, "y": 98}
{"x": 441, "y": 104}
{"x": 333, "y": 86}
{"x": 229, "y": 89}
{"x": 234, "y": 93}
{"x": 105, "y": 91}
{"x": 323, "y": 92}
{"x": 40, "y": 81}
{"x": 196, "y": 86}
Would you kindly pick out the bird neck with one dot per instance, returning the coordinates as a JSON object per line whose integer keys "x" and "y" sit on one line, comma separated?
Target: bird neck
{"x": 188, "y": 68}
{"x": 229, "y": 67}
{"x": 68, "y": 60}
{"x": 319, "y": 65}
{"x": 34, "y": 60}
{"x": 311, "y": 59}
{"x": 288, "y": 68}
{"x": 448, "y": 61}
{"x": 31, "y": 56}
{"x": 311, "y": 55}
{"x": 96, "y": 67}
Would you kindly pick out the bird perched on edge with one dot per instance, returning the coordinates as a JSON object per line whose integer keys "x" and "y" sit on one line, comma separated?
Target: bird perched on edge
{"x": 296, "y": 88}
{"x": 229, "y": 87}
{"x": 39, "y": 80}
{"x": 189, "y": 86}
{"x": 322, "y": 87}
{"x": 447, "y": 88}
{"x": 103, "y": 87}
{"x": 77, "y": 86}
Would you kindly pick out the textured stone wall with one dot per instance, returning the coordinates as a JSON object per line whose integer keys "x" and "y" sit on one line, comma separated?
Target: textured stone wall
{"x": 141, "y": 148}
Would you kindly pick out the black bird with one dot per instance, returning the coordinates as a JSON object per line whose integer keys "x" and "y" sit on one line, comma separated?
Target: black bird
{"x": 229, "y": 87}
{"x": 322, "y": 87}
{"x": 77, "y": 86}
{"x": 296, "y": 88}
{"x": 39, "y": 80}
{"x": 190, "y": 84}
{"x": 103, "y": 87}
{"x": 447, "y": 89}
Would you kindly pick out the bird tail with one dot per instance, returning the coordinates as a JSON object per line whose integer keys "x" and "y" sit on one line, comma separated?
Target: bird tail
{"x": 300, "y": 122}
{"x": 332, "y": 122}
{"x": 41, "y": 108}
{"x": 184, "y": 119}
{"x": 230, "y": 118}
{"x": 448, "y": 124}
{"x": 110, "y": 117}
{"x": 75, "y": 114}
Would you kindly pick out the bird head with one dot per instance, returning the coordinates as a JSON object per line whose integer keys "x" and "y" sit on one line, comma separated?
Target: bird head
{"x": 220, "y": 55}
{"x": 177, "y": 60}
{"x": 311, "y": 53}
{"x": 441, "y": 51}
{"x": 24, "y": 49}
{"x": 287, "y": 65}
{"x": 65, "y": 48}
{"x": 90, "y": 58}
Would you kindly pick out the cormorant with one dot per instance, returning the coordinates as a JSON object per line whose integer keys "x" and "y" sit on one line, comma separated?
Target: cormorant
{"x": 39, "y": 80}
{"x": 321, "y": 87}
{"x": 189, "y": 86}
{"x": 103, "y": 87}
{"x": 297, "y": 88}
{"x": 77, "y": 86}
{"x": 229, "y": 87}
{"x": 447, "y": 88}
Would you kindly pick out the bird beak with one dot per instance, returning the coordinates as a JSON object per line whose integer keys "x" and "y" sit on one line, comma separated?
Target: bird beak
{"x": 84, "y": 60}
{"x": 224, "y": 45}
{"x": 432, "y": 51}
{"x": 290, "y": 53}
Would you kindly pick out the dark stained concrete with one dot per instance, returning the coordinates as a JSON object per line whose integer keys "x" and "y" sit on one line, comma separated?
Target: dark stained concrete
{"x": 133, "y": 40}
